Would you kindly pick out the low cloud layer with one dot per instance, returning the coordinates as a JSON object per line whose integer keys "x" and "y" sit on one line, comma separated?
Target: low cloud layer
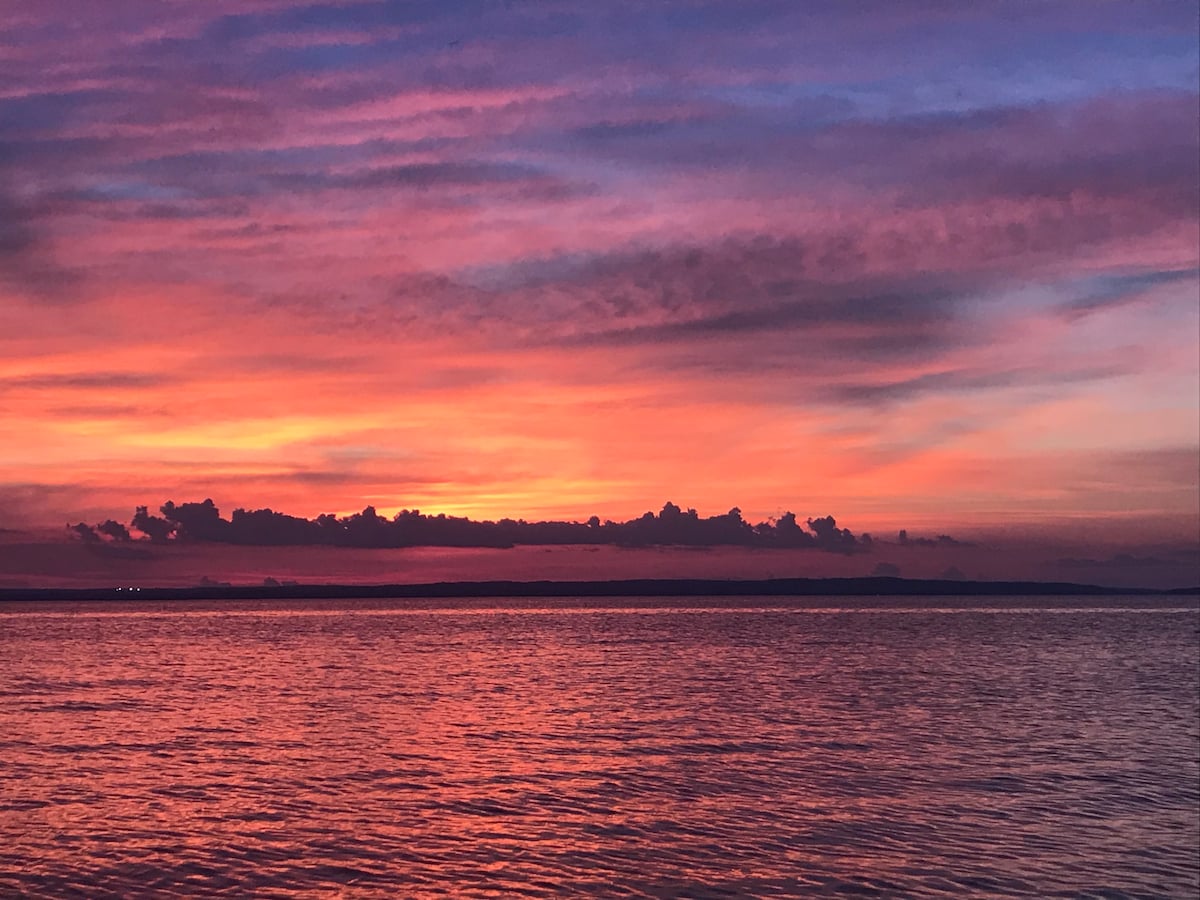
{"x": 672, "y": 526}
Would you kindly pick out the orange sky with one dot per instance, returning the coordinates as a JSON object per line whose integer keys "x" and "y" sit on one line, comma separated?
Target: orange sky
{"x": 485, "y": 268}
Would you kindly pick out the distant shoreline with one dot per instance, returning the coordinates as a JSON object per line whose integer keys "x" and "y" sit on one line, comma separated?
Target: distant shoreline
{"x": 638, "y": 587}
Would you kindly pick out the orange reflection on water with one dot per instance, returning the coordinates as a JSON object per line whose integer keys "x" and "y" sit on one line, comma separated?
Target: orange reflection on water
{"x": 376, "y": 749}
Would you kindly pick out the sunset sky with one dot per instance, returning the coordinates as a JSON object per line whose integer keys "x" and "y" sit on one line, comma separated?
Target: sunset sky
{"x": 918, "y": 264}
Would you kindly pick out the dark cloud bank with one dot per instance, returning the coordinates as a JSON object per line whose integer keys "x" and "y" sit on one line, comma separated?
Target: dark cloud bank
{"x": 672, "y": 526}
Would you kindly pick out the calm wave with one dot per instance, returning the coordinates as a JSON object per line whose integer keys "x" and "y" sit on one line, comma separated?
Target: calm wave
{"x": 641, "y": 750}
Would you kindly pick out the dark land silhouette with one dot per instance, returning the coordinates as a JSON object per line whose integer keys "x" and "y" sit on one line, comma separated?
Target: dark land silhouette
{"x": 863, "y": 588}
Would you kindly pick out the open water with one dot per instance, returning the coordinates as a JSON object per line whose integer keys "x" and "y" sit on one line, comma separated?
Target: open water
{"x": 641, "y": 748}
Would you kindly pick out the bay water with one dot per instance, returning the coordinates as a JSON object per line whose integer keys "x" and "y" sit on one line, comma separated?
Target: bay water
{"x": 625, "y": 748}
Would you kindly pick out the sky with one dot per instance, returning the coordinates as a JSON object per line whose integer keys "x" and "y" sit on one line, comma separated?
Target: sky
{"x": 916, "y": 265}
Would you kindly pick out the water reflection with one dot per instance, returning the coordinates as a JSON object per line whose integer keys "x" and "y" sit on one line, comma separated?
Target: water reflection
{"x": 628, "y": 751}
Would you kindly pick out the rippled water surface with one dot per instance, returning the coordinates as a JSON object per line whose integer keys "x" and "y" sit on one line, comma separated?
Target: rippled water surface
{"x": 561, "y": 749}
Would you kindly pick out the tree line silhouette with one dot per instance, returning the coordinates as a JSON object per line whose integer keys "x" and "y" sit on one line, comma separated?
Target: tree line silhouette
{"x": 672, "y": 526}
